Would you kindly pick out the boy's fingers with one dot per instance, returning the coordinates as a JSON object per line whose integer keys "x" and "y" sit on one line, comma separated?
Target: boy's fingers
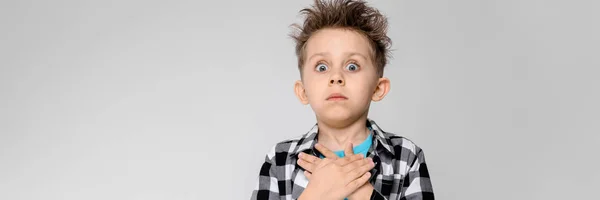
{"x": 325, "y": 151}
{"x": 357, "y": 163}
{"x": 358, "y": 172}
{"x": 309, "y": 158}
{"x": 348, "y": 150}
{"x": 307, "y": 174}
{"x": 355, "y": 184}
{"x": 307, "y": 166}
{"x": 359, "y": 156}
{"x": 348, "y": 160}
{"x": 308, "y": 162}
{"x": 323, "y": 163}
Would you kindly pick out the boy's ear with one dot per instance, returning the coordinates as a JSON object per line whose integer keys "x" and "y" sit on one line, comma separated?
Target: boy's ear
{"x": 383, "y": 87}
{"x": 300, "y": 92}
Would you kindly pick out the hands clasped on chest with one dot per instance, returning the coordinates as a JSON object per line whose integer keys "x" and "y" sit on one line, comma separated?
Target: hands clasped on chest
{"x": 336, "y": 178}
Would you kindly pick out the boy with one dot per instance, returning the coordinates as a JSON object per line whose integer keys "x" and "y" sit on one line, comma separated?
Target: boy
{"x": 342, "y": 48}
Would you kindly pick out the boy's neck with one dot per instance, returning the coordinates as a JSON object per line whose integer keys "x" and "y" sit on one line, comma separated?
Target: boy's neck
{"x": 335, "y": 138}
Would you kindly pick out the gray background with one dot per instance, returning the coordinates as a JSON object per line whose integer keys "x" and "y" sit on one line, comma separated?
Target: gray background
{"x": 136, "y": 99}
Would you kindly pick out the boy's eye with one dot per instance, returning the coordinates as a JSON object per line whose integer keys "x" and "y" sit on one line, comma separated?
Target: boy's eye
{"x": 321, "y": 67}
{"x": 351, "y": 67}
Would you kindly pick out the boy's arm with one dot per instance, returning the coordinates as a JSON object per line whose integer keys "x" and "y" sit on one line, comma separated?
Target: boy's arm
{"x": 417, "y": 184}
{"x": 267, "y": 187}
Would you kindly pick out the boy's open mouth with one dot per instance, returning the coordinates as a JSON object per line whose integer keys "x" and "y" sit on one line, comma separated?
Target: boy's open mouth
{"x": 336, "y": 97}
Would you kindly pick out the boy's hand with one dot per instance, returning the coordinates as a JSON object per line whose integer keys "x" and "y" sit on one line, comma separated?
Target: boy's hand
{"x": 332, "y": 181}
{"x": 309, "y": 163}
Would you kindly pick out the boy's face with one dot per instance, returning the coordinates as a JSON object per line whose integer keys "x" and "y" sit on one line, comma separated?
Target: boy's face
{"x": 339, "y": 78}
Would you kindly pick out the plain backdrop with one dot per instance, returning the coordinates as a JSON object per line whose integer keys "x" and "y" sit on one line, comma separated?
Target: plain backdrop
{"x": 152, "y": 100}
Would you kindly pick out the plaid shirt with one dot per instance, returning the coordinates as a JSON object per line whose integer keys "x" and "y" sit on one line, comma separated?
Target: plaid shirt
{"x": 400, "y": 171}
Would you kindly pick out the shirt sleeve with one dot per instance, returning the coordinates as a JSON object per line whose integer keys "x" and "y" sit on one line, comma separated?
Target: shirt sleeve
{"x": 267, "y": 187}
{"x": 417, "y": 184}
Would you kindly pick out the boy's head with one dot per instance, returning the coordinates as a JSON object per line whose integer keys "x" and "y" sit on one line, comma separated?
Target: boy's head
{"x": 342, "y": 49}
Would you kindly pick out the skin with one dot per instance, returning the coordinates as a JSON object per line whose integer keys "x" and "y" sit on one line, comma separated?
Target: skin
{"x": 352, "y": 161}
{"x": 339, "y": 61}
{"x": 337, "y": 178}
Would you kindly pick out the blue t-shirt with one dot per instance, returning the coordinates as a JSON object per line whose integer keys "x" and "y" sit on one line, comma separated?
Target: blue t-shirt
{"x": 361, "y": 148}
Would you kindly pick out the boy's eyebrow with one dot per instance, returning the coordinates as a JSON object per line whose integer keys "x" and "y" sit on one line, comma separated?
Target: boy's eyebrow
{"x": 348, "y": 54}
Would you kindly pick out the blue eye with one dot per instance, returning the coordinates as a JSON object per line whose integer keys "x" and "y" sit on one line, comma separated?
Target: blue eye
{"x": 321, "y": 67}
{"x": 351, "y": 67}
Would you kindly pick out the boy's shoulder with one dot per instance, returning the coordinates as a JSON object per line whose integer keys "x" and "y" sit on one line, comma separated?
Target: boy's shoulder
{"x": 397, "y": 141}
{"x": 394, "y": 141}
{"x": 291, "y": 147}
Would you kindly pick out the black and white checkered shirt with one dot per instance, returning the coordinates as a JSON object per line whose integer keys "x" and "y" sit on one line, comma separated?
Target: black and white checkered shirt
{"x": 400, "y": 171}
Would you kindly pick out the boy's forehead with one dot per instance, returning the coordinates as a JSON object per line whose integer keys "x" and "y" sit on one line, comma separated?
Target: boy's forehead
{"x": 348, "y": 53}
{"x": 337, "y": 42}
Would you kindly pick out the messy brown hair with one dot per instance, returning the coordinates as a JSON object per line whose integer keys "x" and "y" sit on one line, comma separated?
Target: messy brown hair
{"x": 353, "y": 15}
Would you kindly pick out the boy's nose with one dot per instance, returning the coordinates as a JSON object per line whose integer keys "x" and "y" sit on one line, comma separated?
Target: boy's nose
{"x": 338, "y": 81}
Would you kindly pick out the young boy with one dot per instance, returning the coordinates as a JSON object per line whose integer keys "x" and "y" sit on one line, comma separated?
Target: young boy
{"x": 342, "y": 48}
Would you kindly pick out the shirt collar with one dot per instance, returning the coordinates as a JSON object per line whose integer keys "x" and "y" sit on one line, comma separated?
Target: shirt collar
{"x": 307, "y": 142}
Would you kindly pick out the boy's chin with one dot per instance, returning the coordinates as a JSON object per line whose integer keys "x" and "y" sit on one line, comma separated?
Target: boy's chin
{"x": 337, "y": 119}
